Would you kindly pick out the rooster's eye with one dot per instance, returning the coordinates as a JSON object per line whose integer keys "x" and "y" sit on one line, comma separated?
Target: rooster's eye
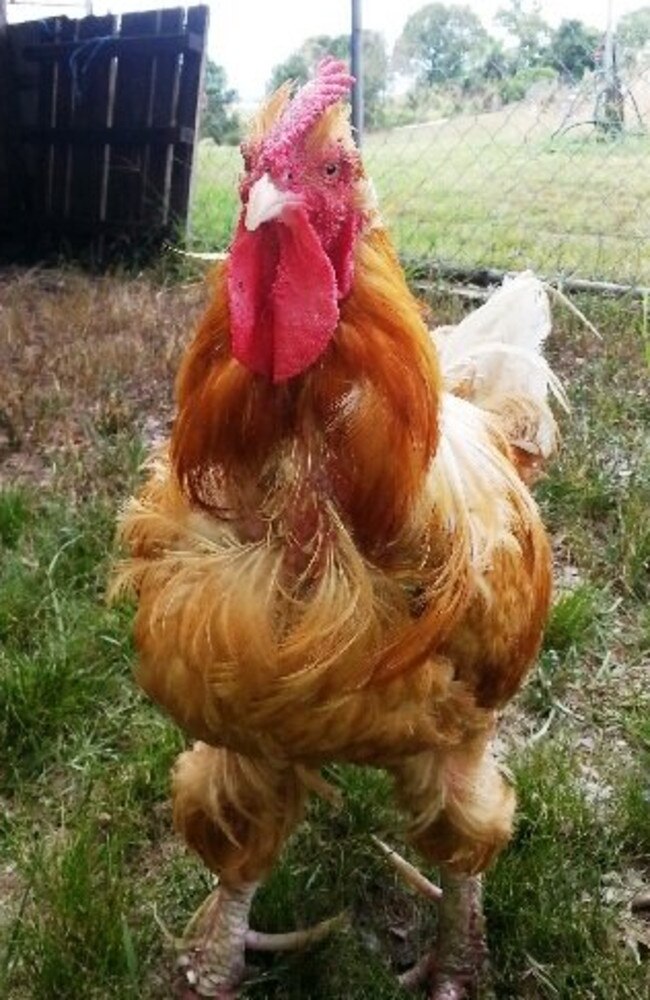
{"x": 331, "y": 169}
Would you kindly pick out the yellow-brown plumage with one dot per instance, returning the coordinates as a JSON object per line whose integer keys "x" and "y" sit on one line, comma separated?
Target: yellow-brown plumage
{"x": 357, "y": 655}
{"x": 344, "y": 566}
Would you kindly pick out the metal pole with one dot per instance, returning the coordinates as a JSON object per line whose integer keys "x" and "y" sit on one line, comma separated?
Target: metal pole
{"x": 356, "y": 62}
{"x": 608, "y": 55}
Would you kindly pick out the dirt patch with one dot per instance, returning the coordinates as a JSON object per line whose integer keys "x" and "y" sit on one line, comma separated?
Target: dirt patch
{"x": 85, "y": 355}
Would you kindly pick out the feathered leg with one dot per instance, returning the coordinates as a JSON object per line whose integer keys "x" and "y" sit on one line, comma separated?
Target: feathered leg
{"x": 236, "y": 813}
{"x": 462, "y": 816}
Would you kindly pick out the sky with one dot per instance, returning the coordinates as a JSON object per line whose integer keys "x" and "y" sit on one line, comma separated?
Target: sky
{"x": 248, "y": 37}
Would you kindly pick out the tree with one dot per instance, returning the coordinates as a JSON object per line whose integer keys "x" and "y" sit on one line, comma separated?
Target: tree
{"x": 218, "y": 121}
{"x": 441, "y": 43}
{"x": 572, "y": 49}
{"x": 301, "y": 64}
{"x": 293, "y": 68}
{"x": 633, "y": 32}
{"x": 496, "y": 63}
{"x": 524, "y": 23}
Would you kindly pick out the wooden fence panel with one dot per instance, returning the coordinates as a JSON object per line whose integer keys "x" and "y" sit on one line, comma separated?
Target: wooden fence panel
{"x": 56, "y": 88}
{"x": 107, "y": 124}
{"x": 18, "y": 104}
{"x": 46, "y": 118}
{"x": 5, "y": 123}
{"x": 91, "y": 86}
{"x": 132, "y": 101}
{"x": 163, "y": 112}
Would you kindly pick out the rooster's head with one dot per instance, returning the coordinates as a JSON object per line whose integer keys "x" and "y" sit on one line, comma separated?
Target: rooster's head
{"x": 305, "y": 201}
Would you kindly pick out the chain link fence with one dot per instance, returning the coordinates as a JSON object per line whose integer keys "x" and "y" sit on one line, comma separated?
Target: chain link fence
{"x": 555, "y": 181}
{"x": 531, "y": 171}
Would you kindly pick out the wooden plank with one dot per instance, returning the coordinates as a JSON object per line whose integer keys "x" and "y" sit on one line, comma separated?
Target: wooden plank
{"x": 167, "y": 69}
{"x": 21, "y": 110}
{"x": 127, "y": 171}
{"x": 90, "y": 114}
{"x": 7, "y": 126}
{"x": 187, "y": 114}
{"x": 134, "y": 45}
{"x": 47, "y": 80}
{"x": 58, "y": 196}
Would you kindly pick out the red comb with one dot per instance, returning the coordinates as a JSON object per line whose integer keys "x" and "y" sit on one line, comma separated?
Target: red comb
{"x": 331, "y": 83}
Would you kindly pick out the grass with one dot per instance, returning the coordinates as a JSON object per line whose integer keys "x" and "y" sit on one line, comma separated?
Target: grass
{"x": 490, "y": 190}
{"x": 87, "y": 855}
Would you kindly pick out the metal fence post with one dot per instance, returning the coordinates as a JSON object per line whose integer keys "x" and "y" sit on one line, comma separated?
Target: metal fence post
{"x": 356, "y": 62}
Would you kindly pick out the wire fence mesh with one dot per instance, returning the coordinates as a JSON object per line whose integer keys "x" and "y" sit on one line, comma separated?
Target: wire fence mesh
{"x": 527, "y": 170}
{"x": 542, "y": 183}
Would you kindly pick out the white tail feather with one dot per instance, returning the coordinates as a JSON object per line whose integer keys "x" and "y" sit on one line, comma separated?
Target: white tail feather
{"x": 494, "y": 358}
{"x": 515, "y": 321}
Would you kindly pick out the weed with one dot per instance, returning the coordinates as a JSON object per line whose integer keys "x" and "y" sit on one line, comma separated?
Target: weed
{"x": 13, "y": 514}
{"x": 545, "y": 895}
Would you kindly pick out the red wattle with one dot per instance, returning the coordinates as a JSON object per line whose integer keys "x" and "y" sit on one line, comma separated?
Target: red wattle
{"x": 283, "y": 298}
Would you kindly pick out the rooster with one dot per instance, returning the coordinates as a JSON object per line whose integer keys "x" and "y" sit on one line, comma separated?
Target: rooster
{"x": 337, "y": 558}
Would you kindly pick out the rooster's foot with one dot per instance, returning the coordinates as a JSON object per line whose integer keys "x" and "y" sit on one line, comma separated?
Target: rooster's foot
{"x": 212, "y": 958}
{"x": 454, "y": 970}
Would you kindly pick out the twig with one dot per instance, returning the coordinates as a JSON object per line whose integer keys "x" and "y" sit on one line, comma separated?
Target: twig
{"x": 409, "y": 872}
{"x": 541, "y": 733}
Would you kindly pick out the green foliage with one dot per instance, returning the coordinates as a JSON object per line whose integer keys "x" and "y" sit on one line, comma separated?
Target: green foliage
{"x": 375, "y": 77}
{"x": 447, "y": 49}
{"x": 293, "y": 68}
{"x": 633, "y": 32}
{"x": 13, "y": 514}
{"x": 515, "y": 87}
{"x": 440, "y": 43}
{"x": 218, "y": 121}
{"x": 523, "y": 22}
{"x": 572, "y": 49}
{"x": 59, "y": 648}
{"x": 497, "y": 63}
{"x": 573, "y": 619}
{"x": 545, "y": 895}
{"x": 80, "y": 928}
{"x": 572, "y": 630}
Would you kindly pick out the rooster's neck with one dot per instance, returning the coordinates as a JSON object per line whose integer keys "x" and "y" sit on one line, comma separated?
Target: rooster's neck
{"x": 386, "y": 443}
{"x": 365, "y": 415}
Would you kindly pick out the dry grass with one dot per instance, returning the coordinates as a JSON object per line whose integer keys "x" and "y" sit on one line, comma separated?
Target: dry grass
{"x": 81, "y": 357}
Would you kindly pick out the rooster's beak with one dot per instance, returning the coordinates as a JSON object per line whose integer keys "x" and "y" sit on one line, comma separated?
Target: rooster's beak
{"x": 266, "y": 202}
